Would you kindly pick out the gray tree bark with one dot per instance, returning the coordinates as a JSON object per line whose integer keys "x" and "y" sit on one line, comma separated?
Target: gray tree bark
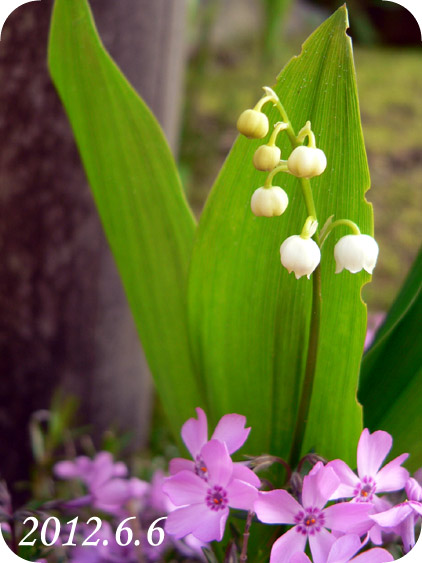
{"x": 63, "y": 314}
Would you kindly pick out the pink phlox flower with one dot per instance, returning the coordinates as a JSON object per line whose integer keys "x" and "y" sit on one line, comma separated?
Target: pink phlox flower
{"x": 108, "y": 489}
{"x": 402, "y": 518}
{"x": 112, "y": 552}
{"x": 203, "y": 505}
{"x": 230, "y": 430}
{"x": 344, "y": 550}
{"x": 158, "y": 504}
{"x": 310, "y": 518}
{"x": 372, "y": 451}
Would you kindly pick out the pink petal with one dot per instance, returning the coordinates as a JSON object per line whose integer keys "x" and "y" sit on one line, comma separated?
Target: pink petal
{"x": 198, "y": 520}
{"x": 186, "y": 488}
{"x": 407, "y": 532}
{"x": 349, "y": 517}
{"x": 375, "y": 534}
{"x": 120, "y": 469}
{"x": 417, "y": 506}
{"x": 299, "y": 558}
{"x": 287, "y": 545}
{"x": 137, "y": 488}
{"x": 102, "y": 470}
{"x": 348, "y": 479}
{"x": 218, "y": 462}
{"x": 66, "y": 470}
{"x": 211, "y": 526}
{"x": 245, "y": 474}
{"x": 320, "y": 544}
{"x": 372, "y": 450}
{"x": 241, "y": 495}
{"x": 318, "y": 487}
{"x": 277, "y": 507}
{"x": 195, "y": 433}
{"x": 392, "y": 477}
{"x": 231, "y": 430}
{"x": 375, "y": 555}
{"x": 394, "y": 516}
{"x": 113, "y": 492}
{"x": 413, "y": 490}
{"x": 179, "y": 464}
{"x": 344, "y": 549}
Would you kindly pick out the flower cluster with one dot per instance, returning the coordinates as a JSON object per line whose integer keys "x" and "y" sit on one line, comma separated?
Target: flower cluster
{"x": 109, "y": 490}
{"x": 207, "y": 487}
{"x": 299, "y": 253}
{"x": 334, "y": 510}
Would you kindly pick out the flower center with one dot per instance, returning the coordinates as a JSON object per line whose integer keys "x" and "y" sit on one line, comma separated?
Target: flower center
{"x": 200, "y": 468}
{"x": 364, "y": 491}
{"x": 216, "y": 498}
{"x": 309, "y": 521}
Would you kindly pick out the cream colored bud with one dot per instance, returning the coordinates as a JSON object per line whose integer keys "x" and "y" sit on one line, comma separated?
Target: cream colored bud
{"x": 354, "y": 252}
{"x": 300, "y": 255}
{"x": 269, "y": 202}
{"x": 306, "y": 162}
{"x": 253, "y": 124}
{"x": 266, "y": 157}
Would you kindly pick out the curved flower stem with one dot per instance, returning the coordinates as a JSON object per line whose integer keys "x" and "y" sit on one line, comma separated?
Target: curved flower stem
{"x": 289, "y": 129}
{"x": 308, "y": 380}
{"x": 282, "y": 167}
{"x": 244, "y": 554}
{"x": 338, "y": 223}
{"x": 280, "y": 126}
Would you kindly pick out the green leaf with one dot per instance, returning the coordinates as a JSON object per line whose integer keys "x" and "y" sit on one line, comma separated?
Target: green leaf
{"x": 249, "y": 319}
{"x": 139, "y": 197}
{"x": 391, "y": 373}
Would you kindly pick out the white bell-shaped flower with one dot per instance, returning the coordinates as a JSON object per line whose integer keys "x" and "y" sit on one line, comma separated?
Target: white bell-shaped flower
{"x": 266, "y": 158}
{"x": 253, "y": 124}
{"x": 306, "y": 162}
{"x": 269, "y": 202}
{"x": 300, "y": 255}
{"x": 354, "y": 252}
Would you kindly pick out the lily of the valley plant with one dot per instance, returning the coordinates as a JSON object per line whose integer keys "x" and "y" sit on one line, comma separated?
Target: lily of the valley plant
{"x": 224, "y": 326}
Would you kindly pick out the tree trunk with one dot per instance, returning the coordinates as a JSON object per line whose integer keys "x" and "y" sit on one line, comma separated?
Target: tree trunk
{"x": 64, "y": 319}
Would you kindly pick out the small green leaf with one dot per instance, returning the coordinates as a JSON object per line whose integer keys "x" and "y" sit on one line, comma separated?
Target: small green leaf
{"x": 139, "y": 197}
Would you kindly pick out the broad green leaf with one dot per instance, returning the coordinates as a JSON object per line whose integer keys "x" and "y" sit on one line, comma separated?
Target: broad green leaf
{"x": 249, "y": 319}
{"x": 391, "y": 373}
{"x": 138, "y": 193}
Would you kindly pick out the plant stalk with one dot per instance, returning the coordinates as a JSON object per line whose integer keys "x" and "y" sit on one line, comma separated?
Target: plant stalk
{"x": 246, "y": 533}
{"x": 308, "y": 380}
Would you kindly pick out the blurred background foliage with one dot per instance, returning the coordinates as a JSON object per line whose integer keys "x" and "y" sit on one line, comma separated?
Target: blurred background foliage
{"x": 236, "y": 46}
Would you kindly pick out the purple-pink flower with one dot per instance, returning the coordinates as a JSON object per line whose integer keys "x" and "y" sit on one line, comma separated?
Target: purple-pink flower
{"x": 112, "y": 552}
{"x": 372, "y": 451}
{"x": 108, "y": 490}
{"x": 230, "y": 430}
{"x": 310, "y": 518}
{"x": 204, "y": 503}
{"x": 344, "y": 550}
{"x": 402, "y": 518}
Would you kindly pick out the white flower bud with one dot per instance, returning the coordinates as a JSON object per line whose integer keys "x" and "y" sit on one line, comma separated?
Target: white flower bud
{"x": 266, "y": 158}
{"x": 253, "y": 124}
{"x": 269, "y": 202}
{"x": 355, "y": 252}
{"x": 300, "y": 255}
{"x": 306, "y": 162}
